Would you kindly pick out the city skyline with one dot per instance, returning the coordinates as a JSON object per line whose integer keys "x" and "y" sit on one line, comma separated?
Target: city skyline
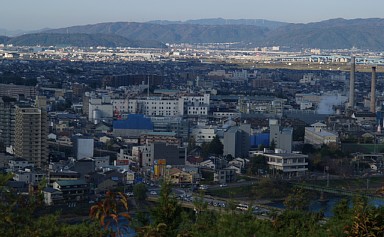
{"x": 44, "y": 14}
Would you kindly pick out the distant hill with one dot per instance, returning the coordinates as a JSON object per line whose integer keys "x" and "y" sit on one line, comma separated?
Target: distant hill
{"x": 330, "y": 34}
{"x": 80, "y": 40}
{"x": 221, "y": 21}
{"x": 3, "y": 39}
{"x": 173, "y": 33}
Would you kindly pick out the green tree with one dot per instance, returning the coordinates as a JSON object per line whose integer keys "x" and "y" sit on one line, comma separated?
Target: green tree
{"x": 272, "y": 146}
{"x": 297, "y": 200}
{"x": 257, "y": 162}
{"x": 215, "y": 146}
{"x": 191, "y": 144}
{"x": 140, "y": 192}
{"x": 167, "y": 211}
{"x": 23, "y": 216}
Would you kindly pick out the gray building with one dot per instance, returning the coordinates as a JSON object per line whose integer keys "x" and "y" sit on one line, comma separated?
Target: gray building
{"x": 7, "y": 121}
{"x": 226, "y": 175}
{"x": 282, "y": 137}
{"x": 237, "y": 141}
{"x": 177, "y": 125}
{"x": 174, "y": 155}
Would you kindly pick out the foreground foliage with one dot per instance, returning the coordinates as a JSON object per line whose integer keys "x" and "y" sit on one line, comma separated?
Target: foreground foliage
{"x": 20, "y": 217}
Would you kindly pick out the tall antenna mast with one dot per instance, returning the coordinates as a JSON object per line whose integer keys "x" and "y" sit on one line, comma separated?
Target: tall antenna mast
{"x": 148, "y": 86}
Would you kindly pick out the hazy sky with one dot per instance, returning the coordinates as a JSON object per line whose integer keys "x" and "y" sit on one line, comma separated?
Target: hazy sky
{"x": 37, "y": 14}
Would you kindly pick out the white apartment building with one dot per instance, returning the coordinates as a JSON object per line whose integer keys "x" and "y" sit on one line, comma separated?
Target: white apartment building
{"x": 120, "y": 105}
{"x": 203, "y": 134}
{"x": 290, "y": 164}
{"x": 168, "y": 106}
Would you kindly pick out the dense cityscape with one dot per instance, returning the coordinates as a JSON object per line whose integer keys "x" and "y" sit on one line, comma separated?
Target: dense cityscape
{"x": 190, "y": 139}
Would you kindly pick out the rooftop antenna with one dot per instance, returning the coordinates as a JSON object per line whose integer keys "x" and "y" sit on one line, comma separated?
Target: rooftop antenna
{"x": 148, "y": 86}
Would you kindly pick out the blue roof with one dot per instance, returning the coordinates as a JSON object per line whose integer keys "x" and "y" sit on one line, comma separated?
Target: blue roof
{"x": 134, "y": 121}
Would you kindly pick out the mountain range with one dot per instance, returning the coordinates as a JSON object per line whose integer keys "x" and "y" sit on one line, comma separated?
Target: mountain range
{"x": 330, "y": 34}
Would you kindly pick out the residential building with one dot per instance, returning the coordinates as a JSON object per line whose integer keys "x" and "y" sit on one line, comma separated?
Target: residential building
{"x": 178, "y": 176}
{"x": 73, "y": 190}
{"x": 225, "y": 175}
{"x": 15, "y": 164}
{"x": 156, "y": 137}
{"x": 28, "y": 176}
{"x": 31, "y": 134}
{"x": 203, "y": 134}
{"x": 7, "y": 120}
{"x": 15, "y": 91}
{"x": 288, "y": 164}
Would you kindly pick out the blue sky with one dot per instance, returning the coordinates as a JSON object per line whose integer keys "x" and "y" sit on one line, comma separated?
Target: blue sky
{"x": 38, "y": 14}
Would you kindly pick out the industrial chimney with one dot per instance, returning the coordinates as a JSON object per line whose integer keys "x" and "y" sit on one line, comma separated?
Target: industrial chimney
{"x": 373, "y": 91}
{"x": 352, "y": 84}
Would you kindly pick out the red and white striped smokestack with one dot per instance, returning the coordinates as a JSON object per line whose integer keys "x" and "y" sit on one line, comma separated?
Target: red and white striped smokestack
{"x": 373, "y": 91}
{"x": 352, "y": 84}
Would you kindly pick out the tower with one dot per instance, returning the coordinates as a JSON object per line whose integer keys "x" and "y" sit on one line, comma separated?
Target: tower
{"x": 352, "y": 84}
{"x": 373, "y": 91}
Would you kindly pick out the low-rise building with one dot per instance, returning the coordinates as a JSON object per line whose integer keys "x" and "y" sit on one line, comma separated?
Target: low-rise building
{"x": 226, "y": 175}
{"x": 52, "y": 196}
{"x": 73, "y": 190}
{"x": 318, "y": 135}
{"x": 289, "y": 164}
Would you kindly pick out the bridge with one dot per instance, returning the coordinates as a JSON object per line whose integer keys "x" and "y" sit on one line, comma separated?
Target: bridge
{"x": 341, "y": 192}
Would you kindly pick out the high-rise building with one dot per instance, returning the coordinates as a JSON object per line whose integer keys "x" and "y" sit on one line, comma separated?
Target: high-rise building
{"x": 282, "y": 137}
{"x": 31, "y": 130}
{"x": 7, "y": 120}
{"x": 237, "y": 141}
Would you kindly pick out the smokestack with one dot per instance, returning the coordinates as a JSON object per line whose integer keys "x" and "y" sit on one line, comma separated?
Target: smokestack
{"x": 373, "y": 91}
{"x": 352, "y": 84}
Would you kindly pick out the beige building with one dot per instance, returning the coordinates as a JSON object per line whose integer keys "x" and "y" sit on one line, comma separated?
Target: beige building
{"x": 318, "y": 135}
{"x": 31, "y": 132}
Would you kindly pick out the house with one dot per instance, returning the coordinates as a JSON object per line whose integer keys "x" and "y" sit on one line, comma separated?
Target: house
{"x": 226, "y": 175}
{"x": 105, "y": 139}
{"x": 28, "y": 176}
{"x": 207, "y": 164}
{"x": 52, "y": 196}
{"x": 237, "y": 169}
{"x": 19, "y": 164}
{"x": 178, "y": 176}
{"x": 102, "y": 128}
{"x": 73, "y": 190}
{"x": 239, "y": 162}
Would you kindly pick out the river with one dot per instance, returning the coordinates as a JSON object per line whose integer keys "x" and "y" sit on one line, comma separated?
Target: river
{"x": 326, "y": 207}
